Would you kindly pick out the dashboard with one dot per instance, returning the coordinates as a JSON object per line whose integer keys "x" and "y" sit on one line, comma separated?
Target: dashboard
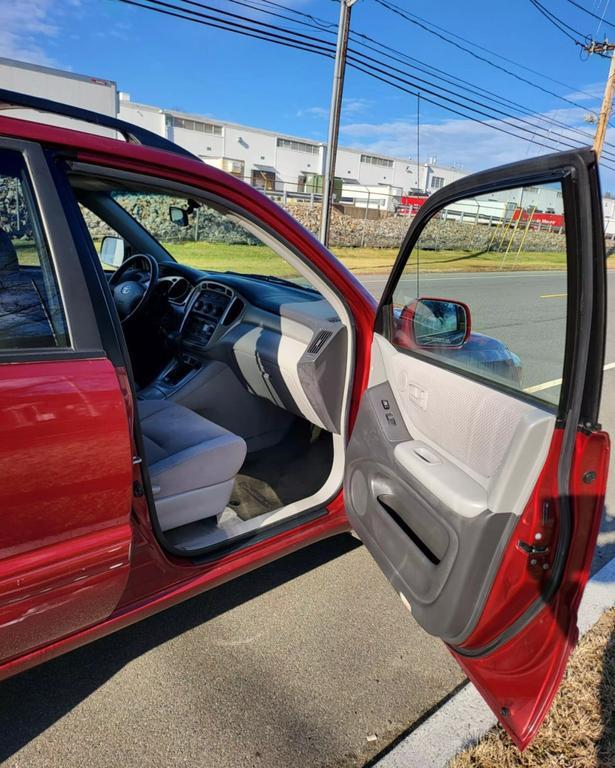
{"x": 285, "y": 343}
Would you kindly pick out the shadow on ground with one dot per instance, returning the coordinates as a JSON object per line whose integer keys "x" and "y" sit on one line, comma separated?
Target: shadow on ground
{"x": 31, "y": 702}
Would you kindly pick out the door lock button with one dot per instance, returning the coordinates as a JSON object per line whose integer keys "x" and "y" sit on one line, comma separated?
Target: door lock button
{"x": 386, "y": 405}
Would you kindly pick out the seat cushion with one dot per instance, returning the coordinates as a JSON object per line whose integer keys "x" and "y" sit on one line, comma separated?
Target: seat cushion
{"x": 184, "y": 451}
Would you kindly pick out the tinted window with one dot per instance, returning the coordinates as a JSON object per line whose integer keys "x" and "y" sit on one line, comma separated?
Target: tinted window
{"x": 31, "y": 314}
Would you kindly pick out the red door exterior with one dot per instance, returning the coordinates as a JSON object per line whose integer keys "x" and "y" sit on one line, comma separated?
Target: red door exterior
{"x": 66, "y": 468}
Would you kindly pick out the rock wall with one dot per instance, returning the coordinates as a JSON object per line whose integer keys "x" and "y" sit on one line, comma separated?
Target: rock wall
{"x": 206, "y": 224}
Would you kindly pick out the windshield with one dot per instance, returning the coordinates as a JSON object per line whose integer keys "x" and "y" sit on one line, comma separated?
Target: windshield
{"x": 199, "y": 236}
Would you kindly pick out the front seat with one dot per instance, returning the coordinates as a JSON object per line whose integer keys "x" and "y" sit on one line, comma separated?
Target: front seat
{"x": 192, "y": 462}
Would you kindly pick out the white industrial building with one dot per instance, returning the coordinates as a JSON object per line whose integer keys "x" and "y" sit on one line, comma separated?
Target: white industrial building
{"x": 289, "y": 165}
{"x": 277, "y": 163}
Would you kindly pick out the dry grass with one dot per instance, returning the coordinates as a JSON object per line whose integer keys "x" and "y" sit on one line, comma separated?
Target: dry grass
{"x": 579, "y": 732}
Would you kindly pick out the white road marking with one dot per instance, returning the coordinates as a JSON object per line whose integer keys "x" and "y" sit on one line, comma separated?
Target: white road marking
{"x": 557, "y": 382}
{"x": 553, "y": 295}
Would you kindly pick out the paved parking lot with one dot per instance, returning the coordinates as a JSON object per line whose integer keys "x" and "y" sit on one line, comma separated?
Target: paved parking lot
{"x": 302, "y": 663}
{"x": 311, "y": 661}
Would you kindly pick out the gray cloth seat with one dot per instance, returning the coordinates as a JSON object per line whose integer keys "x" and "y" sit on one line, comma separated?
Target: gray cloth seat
{"x": 192, "y": 462}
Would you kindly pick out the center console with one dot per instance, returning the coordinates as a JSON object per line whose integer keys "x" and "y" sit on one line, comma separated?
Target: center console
{"x": 206, "y": 313}
{"x": 211, "y": 309}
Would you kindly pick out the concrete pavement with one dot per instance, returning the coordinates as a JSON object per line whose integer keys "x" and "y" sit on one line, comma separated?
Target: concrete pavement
{"x": 310, "y": 661}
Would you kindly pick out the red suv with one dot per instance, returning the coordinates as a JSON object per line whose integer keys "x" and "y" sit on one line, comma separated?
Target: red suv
{"x": 168, "y": 424}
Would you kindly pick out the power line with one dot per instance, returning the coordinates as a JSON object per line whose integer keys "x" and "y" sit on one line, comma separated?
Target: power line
{"x": 450, "y": 109}
{"x": 423, "y": 25}
{"x": 320, "y": 47}
{"x": 240, "y": 29}
{"x": 565, "y": 140}
{"x": 559, "y": 24}
{"x": 471, "y": 87}
{"x": 314, "y": 22}
{"x": 591, "y": 13}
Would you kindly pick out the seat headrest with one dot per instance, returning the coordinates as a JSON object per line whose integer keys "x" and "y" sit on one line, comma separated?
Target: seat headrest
{"x": 8, "y": 255}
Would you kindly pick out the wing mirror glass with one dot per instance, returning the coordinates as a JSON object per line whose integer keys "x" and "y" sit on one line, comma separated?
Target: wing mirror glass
{"x": 112, "y": 251}
{"x": 438, "y": 323}
{"x": 178, "y": 216}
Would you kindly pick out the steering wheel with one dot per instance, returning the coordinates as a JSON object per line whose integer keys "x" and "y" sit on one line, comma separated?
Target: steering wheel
{"x": 133, "y": 284}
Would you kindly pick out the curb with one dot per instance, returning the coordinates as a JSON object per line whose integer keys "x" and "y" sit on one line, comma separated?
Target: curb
{"x": 465, "y": 717}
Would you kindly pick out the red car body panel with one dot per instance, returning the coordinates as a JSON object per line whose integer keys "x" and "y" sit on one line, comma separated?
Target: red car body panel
{"x": 66, "y": 468}
{"x": 520, "y": 678}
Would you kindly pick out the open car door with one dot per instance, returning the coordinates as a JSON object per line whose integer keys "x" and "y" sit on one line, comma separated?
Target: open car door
{"x": 476, "y": 469}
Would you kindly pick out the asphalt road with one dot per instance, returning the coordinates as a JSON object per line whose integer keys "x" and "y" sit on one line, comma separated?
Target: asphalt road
{"x": 311, "y": 661}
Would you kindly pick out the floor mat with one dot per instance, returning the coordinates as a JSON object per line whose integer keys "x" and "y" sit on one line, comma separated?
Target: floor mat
{"x": 293, "y": 469}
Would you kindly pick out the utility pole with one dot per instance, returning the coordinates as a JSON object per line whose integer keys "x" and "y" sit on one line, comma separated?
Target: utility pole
{"x": 334, "y": 117}
{"x": 609, "y": 88}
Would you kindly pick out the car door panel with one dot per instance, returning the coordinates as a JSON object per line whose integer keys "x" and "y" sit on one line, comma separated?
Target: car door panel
{"x": 459, "y": 497}
{"x": 480, "y": 503}
{"x": 65, "y": 460}
{"x": 66, "y": 440}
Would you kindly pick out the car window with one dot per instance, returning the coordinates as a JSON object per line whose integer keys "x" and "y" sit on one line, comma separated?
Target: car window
{"x": 98, "y": 230}
{"x": 203, "y": 237}
{"x": 31, "y": 313}
{"x": 499, "y": 260}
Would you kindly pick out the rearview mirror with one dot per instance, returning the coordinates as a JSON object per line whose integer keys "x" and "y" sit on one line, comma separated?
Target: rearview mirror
{"x": 440, "y": 323}
{"x": 112, "y": 251}
{"x": 178, "y": 216}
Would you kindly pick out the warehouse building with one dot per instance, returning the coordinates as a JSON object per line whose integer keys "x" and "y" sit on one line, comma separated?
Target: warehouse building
{"x": 290, "y": 165}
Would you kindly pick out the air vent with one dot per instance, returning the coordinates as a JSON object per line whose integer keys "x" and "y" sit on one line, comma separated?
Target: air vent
{"x": 319, "y": 341}
{"x": 179, "y": 291}
{"x": 233, "y": 312}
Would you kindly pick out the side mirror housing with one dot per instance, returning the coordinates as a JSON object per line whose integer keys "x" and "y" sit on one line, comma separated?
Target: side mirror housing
{"x": 178, "y": 216}
{"x": 432, "y": 323}
{"x": 112, "y": 251}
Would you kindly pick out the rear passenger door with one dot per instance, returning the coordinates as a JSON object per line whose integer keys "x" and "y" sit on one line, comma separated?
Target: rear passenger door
{"x": 65, "y": 443}
{"x": 476, "y": 470}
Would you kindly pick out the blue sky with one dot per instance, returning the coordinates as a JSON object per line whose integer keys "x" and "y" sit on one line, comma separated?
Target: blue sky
{"x": 177, "y": 64}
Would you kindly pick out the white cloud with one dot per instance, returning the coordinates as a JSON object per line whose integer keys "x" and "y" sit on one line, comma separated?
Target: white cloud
{"x": 24, "y": 27}
{"x": 355, "y": 106}
{"x": 319, "y": 112}
{"x": 473, "y": 145}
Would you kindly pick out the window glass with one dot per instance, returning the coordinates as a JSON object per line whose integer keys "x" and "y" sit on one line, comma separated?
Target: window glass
{"x": 98, "y": 230}
{"x": 204, "y": 238}
{"x": 485, "y": 290}
{"x": 31, "y": 314}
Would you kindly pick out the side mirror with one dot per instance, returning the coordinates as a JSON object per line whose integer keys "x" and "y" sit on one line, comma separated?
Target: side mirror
{"x": 437, "y": 323}
{"x": 112, "y": 251}
{"x": 178, "y": 216}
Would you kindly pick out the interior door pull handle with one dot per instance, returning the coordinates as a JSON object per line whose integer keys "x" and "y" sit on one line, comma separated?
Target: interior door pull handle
{"x": 418, "y": 395}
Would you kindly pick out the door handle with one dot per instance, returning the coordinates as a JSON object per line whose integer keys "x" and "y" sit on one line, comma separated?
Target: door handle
{"x": 418, "y": 395}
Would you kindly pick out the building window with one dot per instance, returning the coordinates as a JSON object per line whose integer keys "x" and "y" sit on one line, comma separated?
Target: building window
{"x": 197, "y": 125}
{"x": 437, "y": 182}
{"x": 298, "y": 146}
{"x": 373, "y": 160}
